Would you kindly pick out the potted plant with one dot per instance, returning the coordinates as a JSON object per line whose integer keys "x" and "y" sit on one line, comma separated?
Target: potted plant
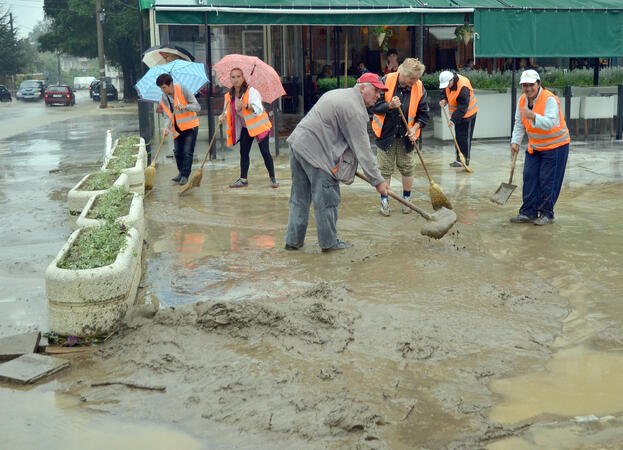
{"x": 383, "y": 36}
{"x": 129, "y": 156}
{"x": 464, "y": 33}
{"x": 93, "y": 280}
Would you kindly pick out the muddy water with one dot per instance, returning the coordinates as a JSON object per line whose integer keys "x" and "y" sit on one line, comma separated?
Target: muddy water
{"x": 401, "y": 341}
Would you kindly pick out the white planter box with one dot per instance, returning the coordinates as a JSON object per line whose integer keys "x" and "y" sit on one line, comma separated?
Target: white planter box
{"x": 136, "y": 174}
{"x": 493, "y": 119}
{"x": 134, "y": 219}
{"x": 596, "y": 107}
{"x": 91, "y": 302}
{"x": 77, "y": 199}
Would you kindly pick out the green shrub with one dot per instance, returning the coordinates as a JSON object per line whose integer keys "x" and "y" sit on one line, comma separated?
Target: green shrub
{"x": 112, "y": 205}
{"x": 327, "y": 84}
{"x": 125, "y": 161}
{"x": 95, "y": 247}
{"x": 99, "y": 181}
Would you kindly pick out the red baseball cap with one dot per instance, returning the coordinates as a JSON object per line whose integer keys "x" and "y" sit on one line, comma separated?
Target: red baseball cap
{"x": 373, "y": 79}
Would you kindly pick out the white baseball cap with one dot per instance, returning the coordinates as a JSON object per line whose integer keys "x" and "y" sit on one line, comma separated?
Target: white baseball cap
{"x": 529, "y": 76}
{"x": 444, "y": 78}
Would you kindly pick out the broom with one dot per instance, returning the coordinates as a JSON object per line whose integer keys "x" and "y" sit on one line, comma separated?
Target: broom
{"x": 195, "y": 179}
{"x": 461, "y": 157}
{"x": 150, "y": 170}
{"x": 437, "y": 198}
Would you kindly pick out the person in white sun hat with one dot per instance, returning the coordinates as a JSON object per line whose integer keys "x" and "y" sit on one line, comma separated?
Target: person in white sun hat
{"x": 539, "y": 116}
{"x": 457, "y": 93}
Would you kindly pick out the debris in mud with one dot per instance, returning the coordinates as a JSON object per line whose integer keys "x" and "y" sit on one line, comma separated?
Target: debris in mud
{"x": 329, "y": 373}
{"x": 30, "y": 368}
{"x": 352, "y": 416}
{"x": 12, "y": 347}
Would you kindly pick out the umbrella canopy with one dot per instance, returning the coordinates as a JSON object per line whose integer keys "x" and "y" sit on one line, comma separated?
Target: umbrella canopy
{"x": 256, "y": 72}
{"x": 189, "y": 74}
{"x": 162, "y": 54}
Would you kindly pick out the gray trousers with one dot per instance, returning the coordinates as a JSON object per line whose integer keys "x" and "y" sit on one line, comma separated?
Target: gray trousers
{"x": 310, "y": 184}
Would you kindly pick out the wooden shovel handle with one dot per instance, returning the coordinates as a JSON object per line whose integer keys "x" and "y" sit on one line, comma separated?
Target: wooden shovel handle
{"x": 417, "y": 148}
{"x": 510, "y": 180}
{"x": 399, "y": 199}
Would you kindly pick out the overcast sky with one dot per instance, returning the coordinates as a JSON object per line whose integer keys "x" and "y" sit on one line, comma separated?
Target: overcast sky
{"x": 26, "y": 14}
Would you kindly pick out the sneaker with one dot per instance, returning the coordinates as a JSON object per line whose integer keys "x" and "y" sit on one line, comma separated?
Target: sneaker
{"x": 406, "y": 209}
{"x": 520, "y": 218}
{"x": 183, "y": 180}
{"x": 274, "y": 183}
{"x": 384, "y": 207}
{"x": 177, "y": 178}
{"x": 293, "y": 246}
{"x": 239, "y": 184}
{"x": 339, "y": 245}
{"x": 544, "y": 220}
{"x": 456, "y": 164}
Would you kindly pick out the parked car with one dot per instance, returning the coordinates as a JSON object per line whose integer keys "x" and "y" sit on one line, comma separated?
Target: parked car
{"x": 59, "y": 94}
{"x": 111, "y": 91}
{"x": 5, "y": 95}
{"x": 30, "y": 90}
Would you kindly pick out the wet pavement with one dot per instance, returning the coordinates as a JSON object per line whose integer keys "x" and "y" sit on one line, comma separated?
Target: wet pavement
{"x": 534, "y": 376}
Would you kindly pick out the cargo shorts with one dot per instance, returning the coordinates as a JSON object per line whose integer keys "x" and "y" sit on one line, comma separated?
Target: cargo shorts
{"x": 396, "y": 156}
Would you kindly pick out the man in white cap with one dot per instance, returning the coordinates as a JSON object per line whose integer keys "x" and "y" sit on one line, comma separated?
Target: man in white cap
{"x": 539, "y": 116}
{"x": 457, "y": 93}
{"x": 325, "y": 148}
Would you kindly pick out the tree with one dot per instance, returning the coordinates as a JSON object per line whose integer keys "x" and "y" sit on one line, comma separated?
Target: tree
{"x": 73, "y": 31}
{"x": 11, "y": 49}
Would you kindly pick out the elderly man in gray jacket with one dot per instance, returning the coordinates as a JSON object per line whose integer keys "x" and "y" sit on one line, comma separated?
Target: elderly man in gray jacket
{"x": 325, "y": 148}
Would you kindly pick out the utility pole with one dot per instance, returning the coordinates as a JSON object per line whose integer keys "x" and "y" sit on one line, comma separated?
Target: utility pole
{"x": 12, "y": 35}
{"x": 99, "y": 18}
{"x": 58, "y": 60}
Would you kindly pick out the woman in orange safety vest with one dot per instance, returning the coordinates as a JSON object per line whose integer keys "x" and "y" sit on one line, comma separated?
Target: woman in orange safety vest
{"x": 539, "y": 116}
{"x": 246, "y": 119}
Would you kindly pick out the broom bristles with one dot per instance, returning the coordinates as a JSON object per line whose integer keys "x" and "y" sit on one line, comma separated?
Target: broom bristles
{"x": 195, "y": 180}
{"x": 438, "y": 198}
{"x": 464, "y": 162}
{"x": 150, "y": 175}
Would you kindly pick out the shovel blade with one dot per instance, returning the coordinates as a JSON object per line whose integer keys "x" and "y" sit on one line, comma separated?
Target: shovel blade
{"x": 503, "y": 193}
{"x": 439, "y": 224}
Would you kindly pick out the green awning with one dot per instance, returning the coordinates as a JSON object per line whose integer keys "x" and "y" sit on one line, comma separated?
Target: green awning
{"x": 548, "y": 33}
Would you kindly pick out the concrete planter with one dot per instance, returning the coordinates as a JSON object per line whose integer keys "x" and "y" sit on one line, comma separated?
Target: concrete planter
{"x": 77, "y": 198}
{"x": 136, "y": 175}
{"x": 134, "y": 219}
{"x": 91, "y": 302}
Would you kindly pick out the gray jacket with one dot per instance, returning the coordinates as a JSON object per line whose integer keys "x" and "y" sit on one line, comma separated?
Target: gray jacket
{"x": 333, "y": 137}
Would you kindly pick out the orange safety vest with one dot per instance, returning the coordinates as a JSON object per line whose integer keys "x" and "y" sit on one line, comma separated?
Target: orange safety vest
{"x": 541, "y": 140}
{"x": 185, "y": 120}
{"x": 255, "y": 123}
{"x": 417, "y": 90}
{"x": 451, "y": 96}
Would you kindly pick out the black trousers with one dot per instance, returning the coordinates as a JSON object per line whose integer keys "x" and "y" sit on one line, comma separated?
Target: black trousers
{"x": 184, "y": 149}
{"x": 245, "y": 149}
{"x": 464, "y": 132}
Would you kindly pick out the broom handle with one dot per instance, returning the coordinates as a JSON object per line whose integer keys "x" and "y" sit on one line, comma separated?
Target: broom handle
{"x": 456, "y": 144}
{"x": 417, "y": 149}
{"x": 208, "y": 152}
{"x": 399, "y": 199}
{"x": 153, "y": 163}
{"x": 510, "y": 180}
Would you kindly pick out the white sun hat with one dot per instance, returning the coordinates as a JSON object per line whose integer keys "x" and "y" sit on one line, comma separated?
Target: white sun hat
{"x": 529, "y": 76}
{"x": 444, "y": 78}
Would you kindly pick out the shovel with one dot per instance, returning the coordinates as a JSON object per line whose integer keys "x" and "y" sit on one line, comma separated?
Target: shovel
{"x": 438, "y": 223}
{"x": 506, "y": 189}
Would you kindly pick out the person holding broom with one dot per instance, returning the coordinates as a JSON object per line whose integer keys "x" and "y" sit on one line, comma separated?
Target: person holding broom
{"x": 246, "y": 119}
{"x": 394, "y": 142}
{"x": 457, "y": 93}
{"x": 325, "y": 148}
{"x": 181, "y": 106}
{"x": 539, "y": 116}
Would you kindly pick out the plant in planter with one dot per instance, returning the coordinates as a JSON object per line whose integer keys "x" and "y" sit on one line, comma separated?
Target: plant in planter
{"x": 327, "y": 84}
{"x": 93, "y": 280}
{"x": 464, "y": 33}
{"x": 383, "y": 36}
{"x": 90, "y": 185}
{"x": 118, "y": 204}
{"x": 130, "y": 159}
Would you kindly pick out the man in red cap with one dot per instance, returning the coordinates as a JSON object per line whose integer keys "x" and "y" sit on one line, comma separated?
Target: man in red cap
{"x": 325, "y": 148}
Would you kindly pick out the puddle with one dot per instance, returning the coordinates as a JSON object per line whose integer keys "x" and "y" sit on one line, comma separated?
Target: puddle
{"x": 576, "y": 382}
{"x": 40, "y": 419}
